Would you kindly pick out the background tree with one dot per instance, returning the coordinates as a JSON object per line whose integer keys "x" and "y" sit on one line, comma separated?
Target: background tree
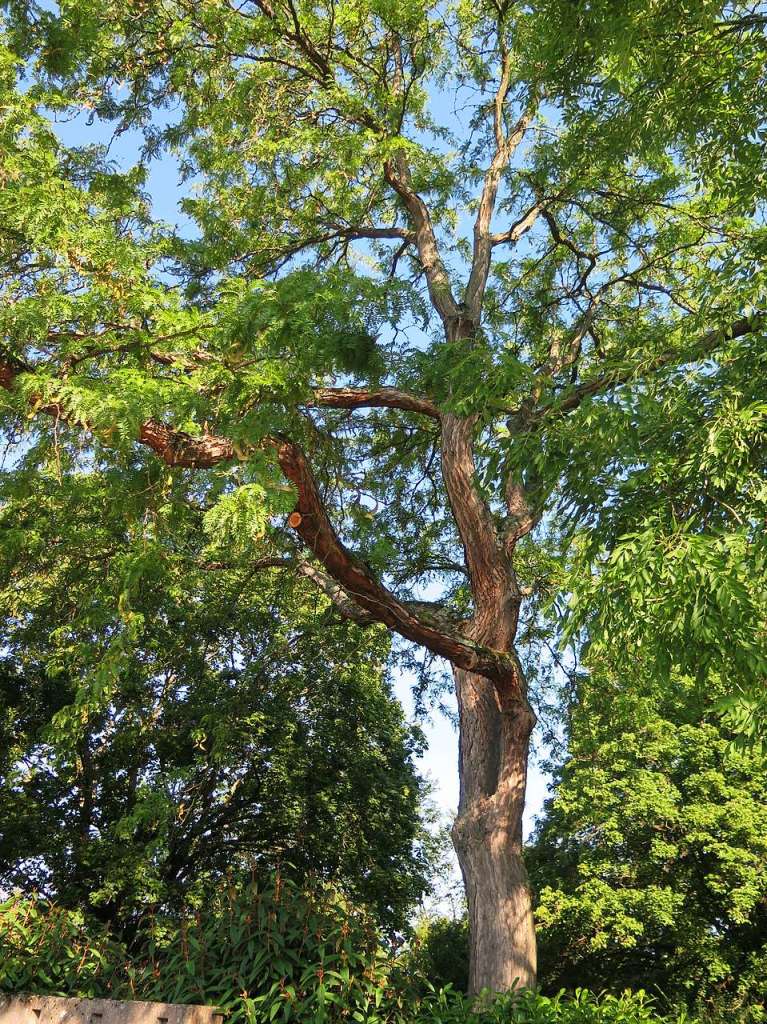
{"x": 683, "y": 516}
{"x": 660, "y": 73}
{"x": 169, "y": 718}
{"x": 650, "y": 862}
{"x": 561, "y": 274}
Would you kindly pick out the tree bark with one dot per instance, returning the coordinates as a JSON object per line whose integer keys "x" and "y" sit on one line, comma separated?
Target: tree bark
{"x": 495, "y": 724}
{"x": 494, "y": 742}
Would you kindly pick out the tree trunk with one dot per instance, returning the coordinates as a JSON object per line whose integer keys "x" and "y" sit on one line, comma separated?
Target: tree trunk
{"x": 487, "y": 834}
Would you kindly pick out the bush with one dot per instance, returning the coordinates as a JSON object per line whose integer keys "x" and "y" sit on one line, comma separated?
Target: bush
{"x": 440, "y": 952}
{"x": 526, "y": 1007}
{"x": 48, "y": 950}
{"x": 262, "y": 954}
{"x": 274, "y": 952}
{"x": 258, "y": 952}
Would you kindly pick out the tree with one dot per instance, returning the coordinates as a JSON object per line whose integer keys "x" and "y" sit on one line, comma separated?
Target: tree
{"x": 559, "y": 268}
{"x": 169, "y": 718}
{"x": 650, "y": 860}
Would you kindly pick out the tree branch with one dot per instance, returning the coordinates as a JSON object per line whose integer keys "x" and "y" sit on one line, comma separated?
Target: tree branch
{"x": 519, "y": 227}
{"x": 340, "y": 600}
{"x": 344, "y": 231}
{"x": 429, "y": 611}
{"x": 177, "y": 448}
{"x": 568, "y": 243}
{"x": 397, "y": 174}
{"x": 525, "y": 420}
{"x": 559, "y": 358}
{"x": 489, "y": 572}
{"x": 505, "y": 148}
{"x": 360, "y": 398}
{"x": 311, "y": 522}
{"x": 522, "y": 516}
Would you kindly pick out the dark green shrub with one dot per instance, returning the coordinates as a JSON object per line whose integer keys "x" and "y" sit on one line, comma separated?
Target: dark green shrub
{"x": 274, "y": 952}
{"x": 260, "y": 952}
{"x": 525, "y": 1007}
{"x": 440, "y": 952}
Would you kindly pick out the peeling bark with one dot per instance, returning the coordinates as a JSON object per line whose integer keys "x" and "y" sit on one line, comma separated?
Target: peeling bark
{"x": 382, "y": 398}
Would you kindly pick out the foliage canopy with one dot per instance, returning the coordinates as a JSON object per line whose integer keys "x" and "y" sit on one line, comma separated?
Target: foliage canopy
{"x": 168, "y": 716}
{"x": 437, "y": 335}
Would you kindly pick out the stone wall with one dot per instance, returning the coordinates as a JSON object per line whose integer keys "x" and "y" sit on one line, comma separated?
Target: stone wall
{"x": 53, "y": 1010}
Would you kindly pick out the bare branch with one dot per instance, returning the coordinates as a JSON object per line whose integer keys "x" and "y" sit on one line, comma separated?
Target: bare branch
{"x": 360, "y": 398}
{"x": 526, "y": 420}
{"x": 397, "y": 174}
{"x": 519, "y": 227}
{"x": 564, "y": 240}
{"x": 429, "y": 611}
{"x": 346, "y": 231}
{"x": 560, "y": 357}
{"x": 505, "y": 146}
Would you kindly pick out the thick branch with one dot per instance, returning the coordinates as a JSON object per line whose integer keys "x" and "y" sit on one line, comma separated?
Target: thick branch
{"x": 311, "y": 522}
{"x": 522, "y": 516}
{"x": 340, "y": 600}
{"x": 397, "y": 174}
{"x": 387, "y": 398}
{"x": 505, "y": 146}
{"x": 176, "y": 448}
{"x": 429, "y": 611}
{"x": 345, "y": 231}
{"x": 489, "y": 572}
